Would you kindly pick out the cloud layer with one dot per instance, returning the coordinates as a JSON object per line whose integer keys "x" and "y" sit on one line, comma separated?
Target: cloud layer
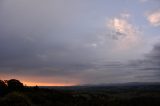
{"x": 126, "y": 33}
{"x": 58, "y": 41}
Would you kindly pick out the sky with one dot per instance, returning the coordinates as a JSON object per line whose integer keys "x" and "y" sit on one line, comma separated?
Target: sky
{"x": 76, "y": 42}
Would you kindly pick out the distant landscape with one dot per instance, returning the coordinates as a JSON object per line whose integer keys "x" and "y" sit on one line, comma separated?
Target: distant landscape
{"x": 79, "y": 52}
{"x": 14, "y": 93}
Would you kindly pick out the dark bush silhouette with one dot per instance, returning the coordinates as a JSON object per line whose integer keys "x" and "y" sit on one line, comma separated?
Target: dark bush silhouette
{"x": 15, "y": 99}
{"x": 3, "y": 88}
{"x": 14, "y": 85}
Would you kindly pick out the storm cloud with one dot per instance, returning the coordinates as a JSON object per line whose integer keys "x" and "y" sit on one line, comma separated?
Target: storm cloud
{"x": 72, "y": 41}
{"x": 42, "y": 40}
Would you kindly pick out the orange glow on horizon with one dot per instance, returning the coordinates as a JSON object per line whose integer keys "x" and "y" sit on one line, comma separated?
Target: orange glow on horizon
{"x": 47, "y": 84}
{"x": 34, "y": 81}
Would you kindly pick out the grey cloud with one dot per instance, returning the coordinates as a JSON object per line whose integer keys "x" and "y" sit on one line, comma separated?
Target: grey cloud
{"x": 47, "y": 39}
{"x": 140, "y": 70}
{"x": 149, "y": 65}
{"x": 153, "y": 58}
{"x": 41, "y": 39}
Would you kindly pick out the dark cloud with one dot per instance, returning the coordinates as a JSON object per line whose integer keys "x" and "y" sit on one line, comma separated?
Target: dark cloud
{"x": 57, "y": 38}
{"x": 149, "y": 65}
{"x": 153, "y": 58}
{"x": 40, "y": 39}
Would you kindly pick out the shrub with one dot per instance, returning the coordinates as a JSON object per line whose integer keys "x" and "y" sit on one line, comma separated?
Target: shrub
{"x": 15, "y": 99}
{"x": 3, "y": 88}
{"x": 14, "y": 85}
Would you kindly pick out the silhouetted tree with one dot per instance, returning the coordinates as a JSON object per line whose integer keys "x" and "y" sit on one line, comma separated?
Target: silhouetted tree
{"x": 3, "y": 88}
{"x": 14, "y": 85}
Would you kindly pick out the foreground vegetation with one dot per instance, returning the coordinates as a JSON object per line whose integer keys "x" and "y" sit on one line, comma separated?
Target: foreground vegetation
{"x": 13, "y": 93}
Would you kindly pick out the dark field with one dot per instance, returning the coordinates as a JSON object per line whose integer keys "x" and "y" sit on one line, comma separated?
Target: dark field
{"x": 130, "y": 94}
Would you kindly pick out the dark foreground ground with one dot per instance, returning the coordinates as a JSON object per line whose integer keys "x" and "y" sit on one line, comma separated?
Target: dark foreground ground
{"x": 131, "y": 94}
